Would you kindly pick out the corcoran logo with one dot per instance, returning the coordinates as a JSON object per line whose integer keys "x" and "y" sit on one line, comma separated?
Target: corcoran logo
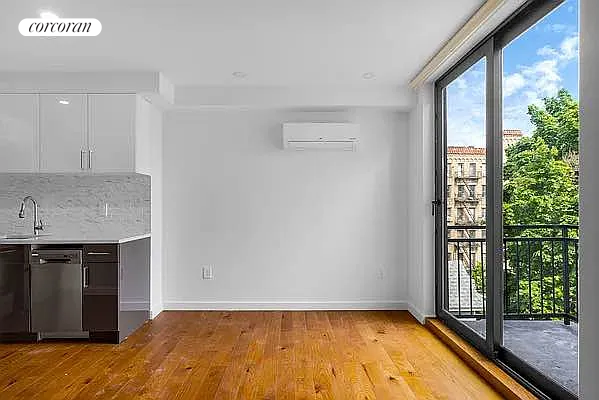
{"x": 60, "y": 27}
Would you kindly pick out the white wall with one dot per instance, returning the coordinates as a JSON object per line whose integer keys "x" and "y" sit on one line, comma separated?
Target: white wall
{"x": 421, "y": 270}
{"x": 148, "y": 154}
{"x": 278, "y": 97}
{"x": 283, "y": 229}
{"x": 589, "y": 199}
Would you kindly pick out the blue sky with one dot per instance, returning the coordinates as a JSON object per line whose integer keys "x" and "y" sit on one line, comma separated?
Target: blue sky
{"x": 537, "y": 64}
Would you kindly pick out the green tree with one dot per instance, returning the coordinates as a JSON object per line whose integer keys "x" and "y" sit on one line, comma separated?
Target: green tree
{"x": 538, "y": 185}
{"x": 557, "y": 123}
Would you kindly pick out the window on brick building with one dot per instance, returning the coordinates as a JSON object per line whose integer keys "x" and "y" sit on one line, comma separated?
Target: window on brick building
{"x": 472, "y": 169}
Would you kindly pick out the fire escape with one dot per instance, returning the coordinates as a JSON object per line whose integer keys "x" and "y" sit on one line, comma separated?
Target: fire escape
{"x": 466, "y": 201}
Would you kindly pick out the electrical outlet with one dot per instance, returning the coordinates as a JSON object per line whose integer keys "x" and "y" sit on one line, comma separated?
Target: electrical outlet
{"x": 207, "y": 272}
{"x": 380, "y": 274}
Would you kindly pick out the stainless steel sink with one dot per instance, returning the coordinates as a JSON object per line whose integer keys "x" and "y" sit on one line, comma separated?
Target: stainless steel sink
{"x": 23, "y": 236}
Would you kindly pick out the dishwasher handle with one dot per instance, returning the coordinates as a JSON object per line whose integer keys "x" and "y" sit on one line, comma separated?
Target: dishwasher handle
{"x": 55, "y": 257}
{"x": 54, "y": 261}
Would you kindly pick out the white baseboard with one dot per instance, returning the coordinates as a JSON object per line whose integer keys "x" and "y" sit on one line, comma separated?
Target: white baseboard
{"x": 134, "y": 305}
{"x": 155, "y": 310}
{"x": 290, "y": 306}
{"x": 421, "y": 317}
{"x": 284, "y": 306}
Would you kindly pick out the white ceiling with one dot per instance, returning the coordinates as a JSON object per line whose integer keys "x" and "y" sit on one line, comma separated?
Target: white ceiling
{"x": 276, "y": 42}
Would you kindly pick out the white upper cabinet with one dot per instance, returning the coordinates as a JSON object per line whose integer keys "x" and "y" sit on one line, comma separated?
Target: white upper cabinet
{"x": 97, "y": 133}
{"x": 18, "y": 132}
{"x": 111, "y": 132}
{"x": 63, "y": 133}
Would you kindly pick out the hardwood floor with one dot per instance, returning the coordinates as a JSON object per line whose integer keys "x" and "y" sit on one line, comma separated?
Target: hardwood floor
{"x": 249, "y": 355}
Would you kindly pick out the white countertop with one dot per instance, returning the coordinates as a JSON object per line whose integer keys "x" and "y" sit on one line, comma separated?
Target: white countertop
{"x": 59, "y": 239}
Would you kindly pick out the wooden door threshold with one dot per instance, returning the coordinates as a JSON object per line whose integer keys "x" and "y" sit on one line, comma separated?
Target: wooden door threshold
{"x": 507, "y": 386}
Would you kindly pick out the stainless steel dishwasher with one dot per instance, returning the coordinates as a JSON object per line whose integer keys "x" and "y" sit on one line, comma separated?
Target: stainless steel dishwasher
{"x": 56, "y": 292}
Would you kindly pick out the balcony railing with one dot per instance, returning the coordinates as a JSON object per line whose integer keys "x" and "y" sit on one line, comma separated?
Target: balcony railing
{"x": 540, "y": 272}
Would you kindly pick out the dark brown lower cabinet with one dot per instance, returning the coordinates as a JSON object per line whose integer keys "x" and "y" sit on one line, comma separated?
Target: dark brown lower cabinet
{"x": 100, "y": 313}
{"x": 115, "y": 289}
{"x": 101, "y": 277}
{"x": 14, "y": 290}
{"x": 100, "y": 292}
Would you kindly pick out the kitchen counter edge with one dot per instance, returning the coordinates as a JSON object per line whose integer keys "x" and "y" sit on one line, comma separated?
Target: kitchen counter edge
{"x": 81, "y": 240}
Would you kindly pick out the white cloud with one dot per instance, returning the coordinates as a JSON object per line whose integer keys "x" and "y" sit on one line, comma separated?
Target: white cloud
{"x": 543, "y": 77}
{"x": 547, "y": 51}
{"x": 461, "y": 83}
{"x": 527, "y": 84}
{"x": 532, "y": 97}
{"x": 512, "y": 83}
{"x": 569, "y": 48}
{"x": 558, "y": 28}
{"x": 466, "y": 108}
{"x": 531, "y": 83}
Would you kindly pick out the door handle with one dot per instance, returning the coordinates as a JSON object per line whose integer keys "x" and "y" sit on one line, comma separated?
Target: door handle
{"x": 435, "y": 204}
{"x": 98, "y": 253}
{"x": 86, "y": 276}
{"x": 89, "y": 159}
{"x": 81, "y": 159}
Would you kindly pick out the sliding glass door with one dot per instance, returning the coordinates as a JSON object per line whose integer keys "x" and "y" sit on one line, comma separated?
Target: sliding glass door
{"x": 507, "y": 196}
{"x": 463, "y": 280}
{"x": 540, "y": 196}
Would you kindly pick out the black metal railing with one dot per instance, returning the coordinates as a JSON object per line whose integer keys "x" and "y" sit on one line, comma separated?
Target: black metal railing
{"x": 540, "y": 272}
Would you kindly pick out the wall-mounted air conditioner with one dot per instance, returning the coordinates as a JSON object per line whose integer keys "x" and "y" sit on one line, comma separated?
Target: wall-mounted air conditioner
{"x": 320, "y": 135}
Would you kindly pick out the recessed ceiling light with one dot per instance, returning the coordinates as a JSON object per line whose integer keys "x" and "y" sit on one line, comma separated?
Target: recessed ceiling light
{"x": 239, "y": 74}
{"x": 64, "y": 102}
{"x": 47, "y": 14}
{"x": 368, "y": 75}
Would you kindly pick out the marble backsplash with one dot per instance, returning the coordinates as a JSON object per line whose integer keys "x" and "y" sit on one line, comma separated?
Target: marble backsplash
{"x": 73, "y": 205}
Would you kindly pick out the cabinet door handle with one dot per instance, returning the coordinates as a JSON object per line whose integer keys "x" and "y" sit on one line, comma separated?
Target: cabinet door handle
{"x": 98, "y": 253}
{"x": 86, "y": 276}
{"x": 82, "y": 155}
{"x": 89, "y": 159}
{"x": 8, "y": 251}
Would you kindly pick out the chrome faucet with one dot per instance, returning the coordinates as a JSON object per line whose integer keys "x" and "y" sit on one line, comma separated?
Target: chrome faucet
{"x": 38, "y": 225}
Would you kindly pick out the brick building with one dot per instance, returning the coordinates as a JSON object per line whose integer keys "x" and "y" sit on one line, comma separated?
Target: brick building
{"x": 466, "y": 181}
{"x": 466, "y": 206}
